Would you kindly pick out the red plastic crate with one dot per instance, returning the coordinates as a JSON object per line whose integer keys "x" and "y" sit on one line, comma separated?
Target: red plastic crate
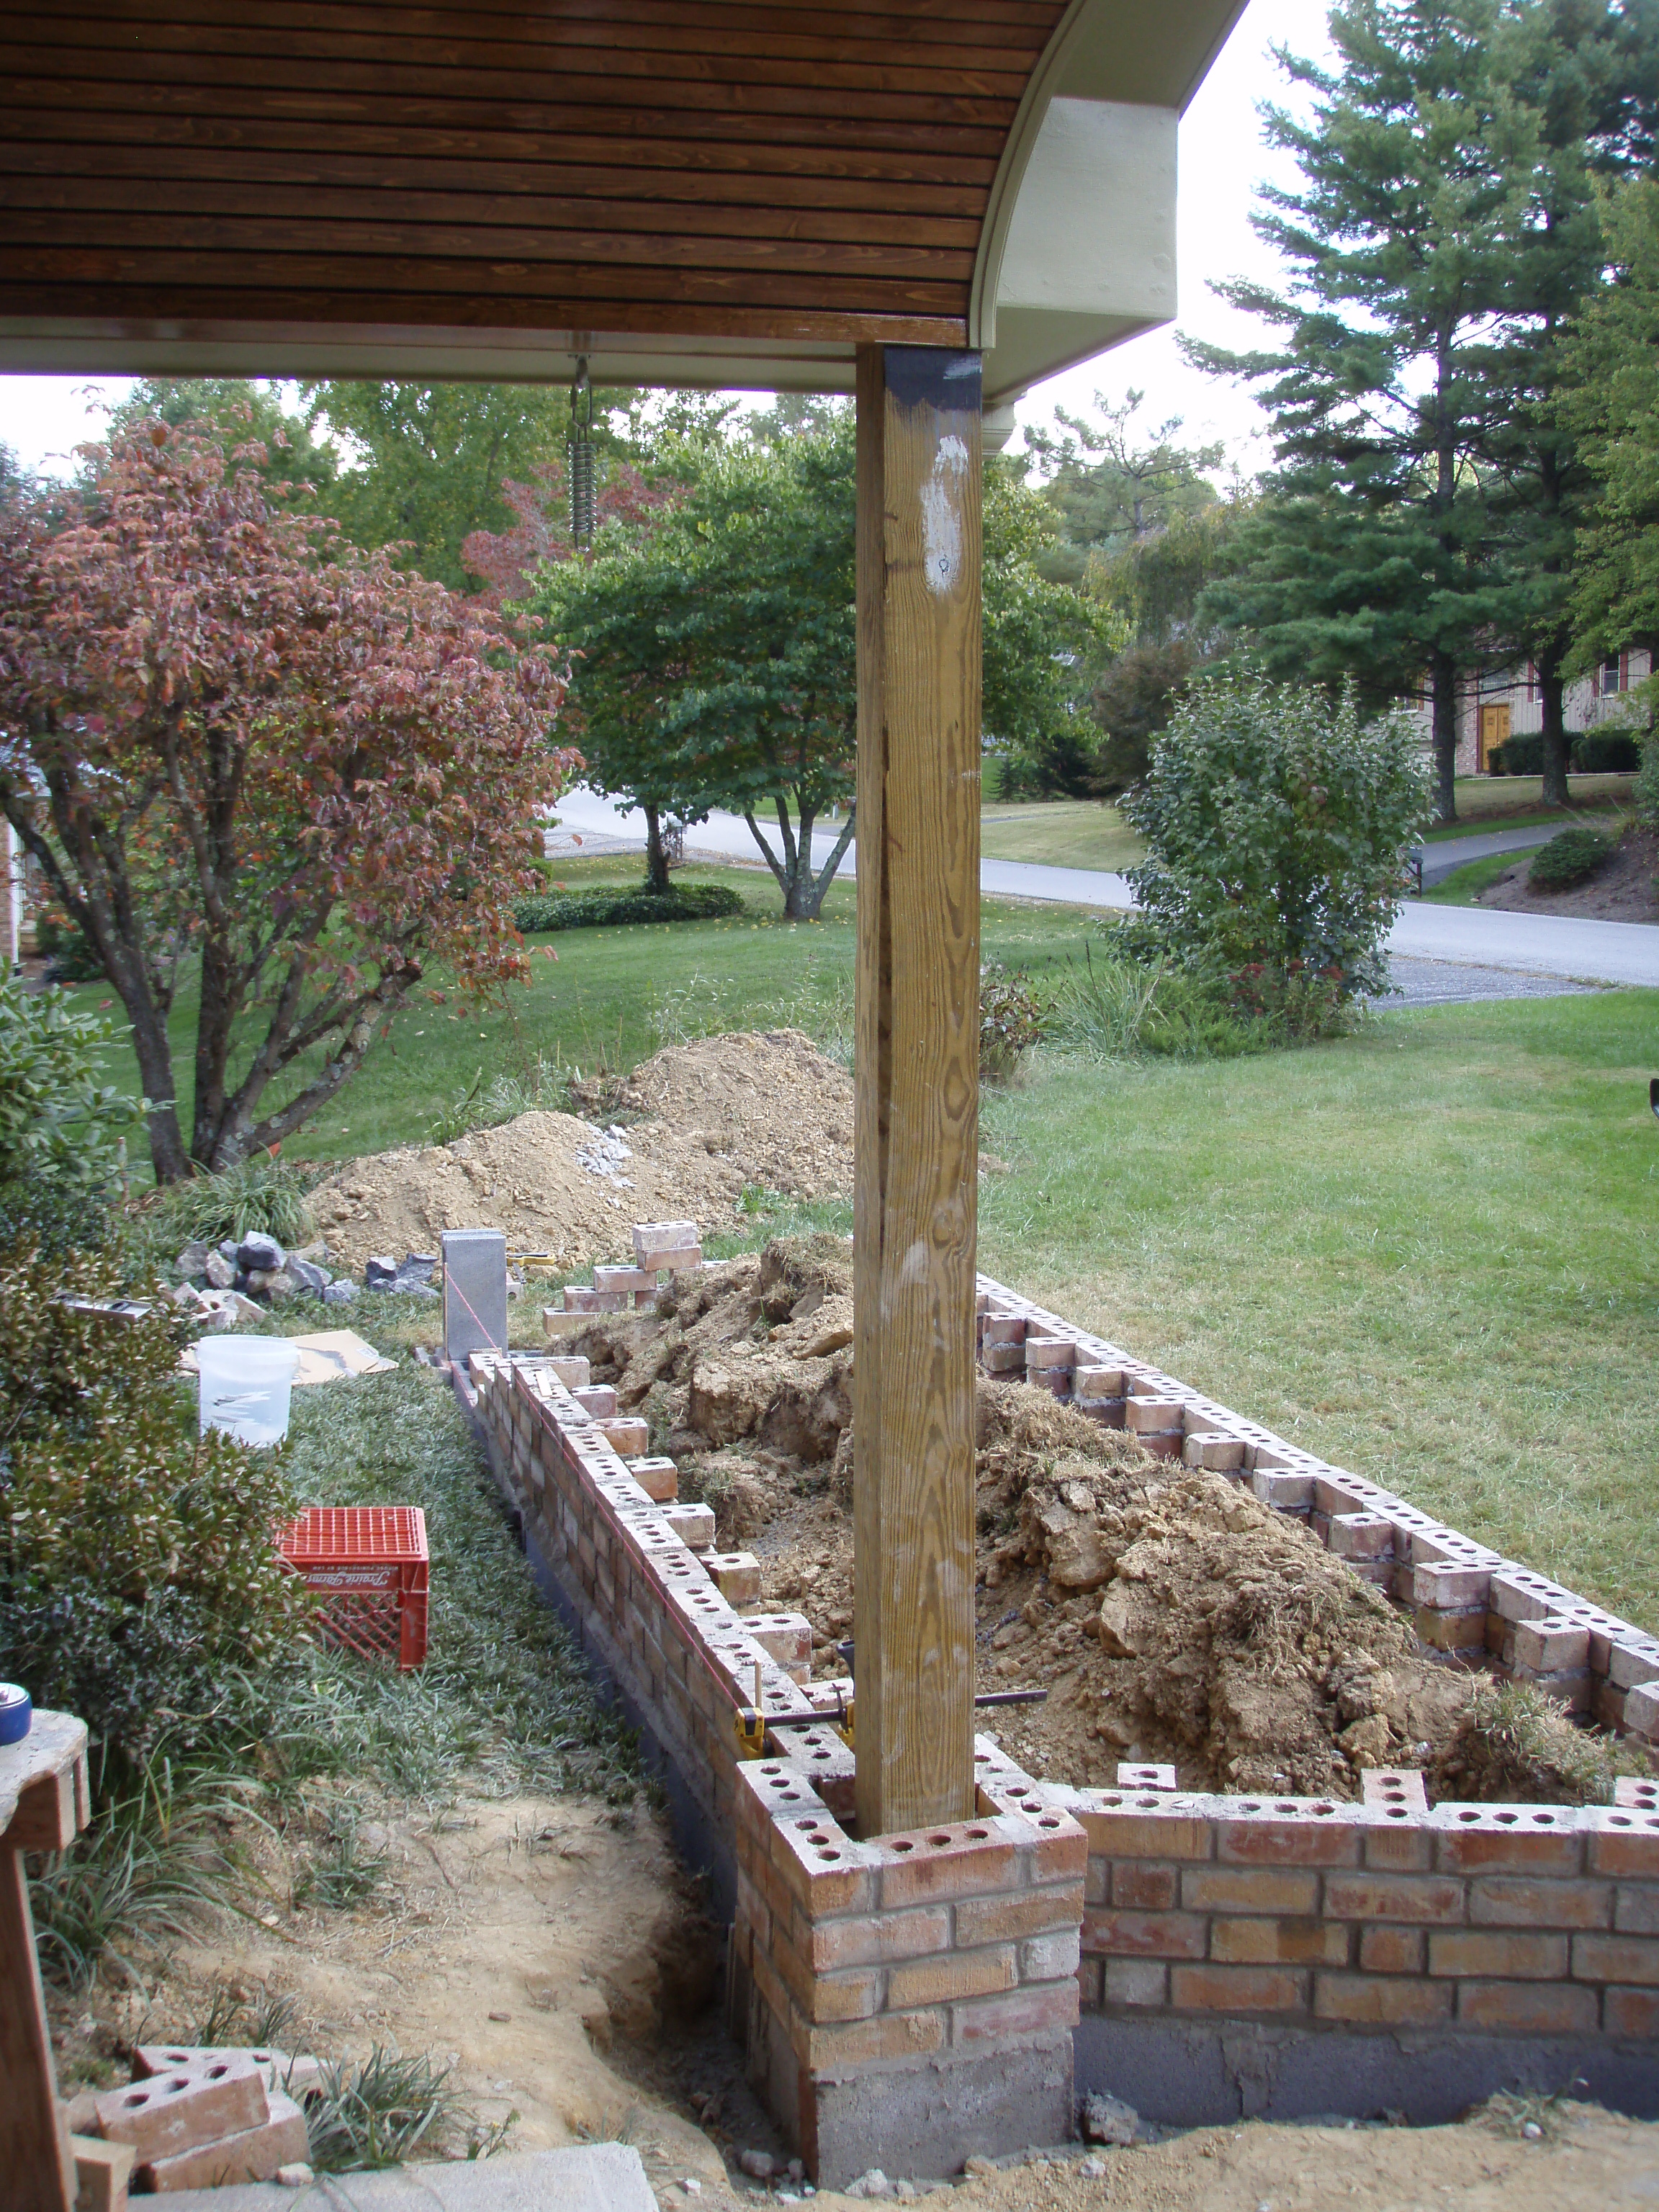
{"x": 370, "y": 1564}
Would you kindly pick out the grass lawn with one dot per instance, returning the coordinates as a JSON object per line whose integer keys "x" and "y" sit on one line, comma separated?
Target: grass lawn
{"x": 1429, "y": 1253}
{"x": 1461, "y": 887}
{"x": 1060, "y": 833}
{"x": 1515, "y": 802}
{"x": 611, "y": 997}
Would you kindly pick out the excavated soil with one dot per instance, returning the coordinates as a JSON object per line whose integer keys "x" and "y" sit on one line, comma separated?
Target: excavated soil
{"x": 680, "y": 1138}
{"x": 1626, "y": 890}
{"x": 1169, "y": 1615}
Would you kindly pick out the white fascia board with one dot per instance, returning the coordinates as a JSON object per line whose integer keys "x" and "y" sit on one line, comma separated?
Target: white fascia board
{"x": 1090, "y": 239}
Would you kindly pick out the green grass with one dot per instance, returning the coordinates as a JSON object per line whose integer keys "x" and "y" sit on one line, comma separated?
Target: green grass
{"x": 1058, "y": 833}
{"x": 1429, "y": 1252}
{"x": 1462, "y": 886}
{"x": 610, "y": 998}
{"x": 1512, "y": 802}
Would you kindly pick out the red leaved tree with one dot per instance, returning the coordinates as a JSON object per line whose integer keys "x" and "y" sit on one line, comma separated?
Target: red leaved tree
{"x": 232, "y": 742}
{"x": 508, "y": 559}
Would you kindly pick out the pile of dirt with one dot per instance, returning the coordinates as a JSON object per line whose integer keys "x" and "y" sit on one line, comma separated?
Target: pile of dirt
{"x": 1170, "y": 1616}
{"x": 1626, "y": 890}
{"x": 688, "y": 1132}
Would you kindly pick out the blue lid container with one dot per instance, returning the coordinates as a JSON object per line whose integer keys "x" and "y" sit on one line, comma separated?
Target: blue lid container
{"x": 16, "y": 1713}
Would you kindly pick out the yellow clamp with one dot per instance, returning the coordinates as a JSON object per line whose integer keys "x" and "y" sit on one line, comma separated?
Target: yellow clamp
{"x": 751, "y": 1733}
{"x": 844, "y": 1726}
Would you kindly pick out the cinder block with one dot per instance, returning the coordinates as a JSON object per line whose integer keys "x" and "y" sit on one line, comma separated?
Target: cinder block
{"x": 102, "y": 2171}
{"x": 659, "y": 1478}
{"x": 168, "y": 2112}
{"x": 475, "y": 1291}
{"x": 253, "y": 2155}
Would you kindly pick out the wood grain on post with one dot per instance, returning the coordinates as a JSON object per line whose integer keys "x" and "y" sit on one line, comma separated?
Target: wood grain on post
{"x": 42, "y": 1804}
{"x": 917, "y": 1123}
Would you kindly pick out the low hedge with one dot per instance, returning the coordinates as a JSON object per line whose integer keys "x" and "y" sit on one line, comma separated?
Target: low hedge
{"x": 595, "y": 909}
{"x": 1593, "y": 752}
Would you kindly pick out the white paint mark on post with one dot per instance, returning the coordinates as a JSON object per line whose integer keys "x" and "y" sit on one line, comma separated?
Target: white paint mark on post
{"x": 941, "y": 517}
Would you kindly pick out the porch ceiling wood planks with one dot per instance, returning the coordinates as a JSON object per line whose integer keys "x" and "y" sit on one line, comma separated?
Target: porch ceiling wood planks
{"x": 715, "y": 192}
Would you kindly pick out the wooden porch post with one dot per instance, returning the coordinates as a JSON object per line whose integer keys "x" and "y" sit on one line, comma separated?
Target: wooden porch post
{"x": 917, "y": 1126}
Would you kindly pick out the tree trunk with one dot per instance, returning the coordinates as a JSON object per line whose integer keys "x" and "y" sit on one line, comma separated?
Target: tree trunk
{"x": 1552, "y": 687}
{"x": 656, "y": 860}
{"x": 1442, "y": 675}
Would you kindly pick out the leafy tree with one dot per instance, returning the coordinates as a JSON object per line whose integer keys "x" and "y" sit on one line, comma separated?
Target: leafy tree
{"x": 1276, "y": 828}
{"x": 429, "y": 462}
{"x": 243, "y": 412}
{"x": 235, "y": 743}
{"x": 716, "y": 656}
{"x": 61, "y": 1129}
{"x": 508, "y": 561}
{"x": 1108, "y": 488}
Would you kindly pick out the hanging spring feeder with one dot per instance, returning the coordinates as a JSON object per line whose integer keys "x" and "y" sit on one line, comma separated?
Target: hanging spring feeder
{"x": 579, "y": 451}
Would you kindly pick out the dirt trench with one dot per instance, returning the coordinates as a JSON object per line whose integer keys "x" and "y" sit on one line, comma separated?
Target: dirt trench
{"x": 1170, "y": 1616}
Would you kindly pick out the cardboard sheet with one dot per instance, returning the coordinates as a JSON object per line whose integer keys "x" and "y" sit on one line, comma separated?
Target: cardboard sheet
{"x": 324, "y": 1358}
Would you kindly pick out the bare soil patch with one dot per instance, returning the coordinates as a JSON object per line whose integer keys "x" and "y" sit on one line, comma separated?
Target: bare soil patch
{"x": 1626, "y": 890}
{"x": 1170, "y": 1616}
{"x": 682, "y": 1137}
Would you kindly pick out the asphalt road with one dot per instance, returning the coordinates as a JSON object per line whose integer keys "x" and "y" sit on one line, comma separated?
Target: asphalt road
{"x": 1535, "y": 945}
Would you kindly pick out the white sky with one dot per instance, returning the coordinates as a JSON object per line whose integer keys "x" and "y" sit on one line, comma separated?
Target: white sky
{"x": 1222, "y": 158}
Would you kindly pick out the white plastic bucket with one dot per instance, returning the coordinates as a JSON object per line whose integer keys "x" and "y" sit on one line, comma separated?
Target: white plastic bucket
{"x": 245, "y": 1384}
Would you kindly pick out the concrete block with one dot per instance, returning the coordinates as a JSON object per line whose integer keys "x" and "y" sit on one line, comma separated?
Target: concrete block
{"x": 667, "y": 1244}
{"x": 167, "y": 2112}
{"x": 475, "y": 1291}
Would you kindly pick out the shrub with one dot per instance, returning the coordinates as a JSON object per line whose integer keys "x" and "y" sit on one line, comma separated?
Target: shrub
{"x": 259, "y": 1193}
{"x": 1606, "y": 752}
{"x": 138, "y": 1573}
{"x": 60, "y": 1128}
{"x": 1516, "y": 757}
{"x": 1573, "y": 857}
{"x": 1276, "y": 827}
{"x": 73, "y": 955}
{"x": 1645, "y": 797}
{"x": 595, "y": 909}
{"x": 1010, "y": 1019}
{"x": 1118, "y": 1004}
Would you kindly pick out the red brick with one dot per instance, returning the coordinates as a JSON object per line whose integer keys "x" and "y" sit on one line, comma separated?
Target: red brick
{"x": 1527, "y": 1957}
{"x": 1237, "y": 1989}
{"x": 1044, "y": 2008}
{"x": 1528, "y": 2008}
{"x": 1026, "y": 1912}
{"x": 1636, "y": 1912}
{"x": 873, "y": 1939}
{"x": 1512, "y": 1901}
{"x": 1143, "y": 1886}
{"x": 962, "y": 1860}
{"x": 1375, "y": 2001}
{"x": 1451, "y": 1632}
{"x": 1392, "y": 1950}
{"x": 1615, "y": 1959}
{"x": 868, "y": 2042}
{"x": 1136, "y": 1982}
{"x": 1433, "y": 1899}
{"x": 1062, "y": 1850}
{"x": 1140, "y": 1831}
{"x": 1249, "y": 1889}
{"x": 821, "y": 1997}
{"x": 1405, "y": 1845}
{"x": 956, "y": 1974}
{"x": 1046, "y": 1958}
{"x": 1301, "y": 1941}
{"x": 1311, "y": 1841}
{"x": 1626, "y": 1843}
{"x": 1145, "y": 1934}
{"x": 1547, "y": 1844}
{"x": 1631, "y": 2012}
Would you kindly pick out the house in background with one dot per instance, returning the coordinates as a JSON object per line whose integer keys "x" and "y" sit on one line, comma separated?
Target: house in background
{"x": 1509, "y": 703}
